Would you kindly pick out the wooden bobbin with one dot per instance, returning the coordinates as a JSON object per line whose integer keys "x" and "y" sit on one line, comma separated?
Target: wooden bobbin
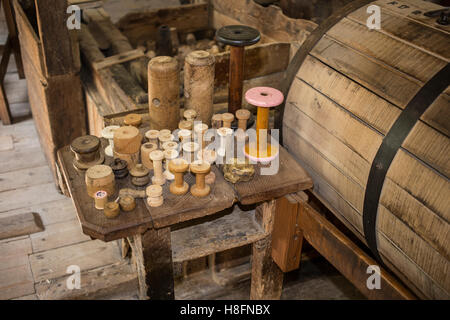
{"x": 127, "y": 140}
{"x": 184, "y": 135}
{"x": 169, "y": 155}
{"x": 139, "y": 175}
{"x": 108, "y": 133}
{"x": 111, "y": 210}
{"x": 209, "y": 156}
{"x": 216, "y": 121}
{"x": 131, "y": 159}
{"x": 127, "y": 203}
{"x": 132, "y": 192}
{"x": 158, "y": 178}
{"x": 146, "y": 148}
{"x": 119, "y": 168}
{"x": 87, "y": 152}
{"x": 224, "y": 135}
{"x": 154, "y": 195}
{"x": 227, "y": 119}
{"x": 242, "y": 115}
{"x": 133, "y": 119}
{"x": 152, "y": 136}
{"x": 100, "y": 199}
{"x": 164, "y": 132}
{"x": 199, "y": 84}
{"x": 185, "y": 124}
{"x": 190, "y": 115}
{"x": 170, "y": 145}
{"x": 165, "y": 138}
{"x": 200, "y": 169}
{"x": 164, "y": 93}
{"x": 200, "y": 130}
{"x": 178, "y": 167}
{"x": 190, "y": 150}
{"x": 99, "y": 177}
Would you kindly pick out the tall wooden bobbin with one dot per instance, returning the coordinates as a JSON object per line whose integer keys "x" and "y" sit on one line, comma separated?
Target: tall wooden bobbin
{"x": 216, "y": 121}
{"x": 178, "y": 167}
{"x": 87, "y": 152}
{"x": 224, "y": 136}
{"x": 190, "y": 150}
{"x": 184, "y": 135}
{"x": 264, "y": 98}
{"x": 169, "y": 155}
{"x": 227, "y": 119}
{"x": 152, "y": 136}
{"x": 199, "y": 84}
{"x": 190, "y": 115}
{"x": 200, "y": 130}
{"x": 237, "y": 36}
{"x": 200, "y": 169}
{"x": 157, "y": 157}
{"x": 163, "y": 93}
{"x": 154, "y": 195}
{"x": 99, "y": 178}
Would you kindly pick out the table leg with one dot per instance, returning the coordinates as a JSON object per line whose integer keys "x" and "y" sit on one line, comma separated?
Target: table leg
{"x": 152, "y": 254}
{"x": 267, "y": 277}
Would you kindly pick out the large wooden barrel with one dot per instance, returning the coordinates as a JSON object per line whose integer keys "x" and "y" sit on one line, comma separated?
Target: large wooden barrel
{"x": 368, "y": 115}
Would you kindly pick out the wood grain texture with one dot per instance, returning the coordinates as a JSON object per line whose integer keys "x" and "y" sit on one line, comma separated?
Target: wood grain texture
{"x": 20, "y": 224}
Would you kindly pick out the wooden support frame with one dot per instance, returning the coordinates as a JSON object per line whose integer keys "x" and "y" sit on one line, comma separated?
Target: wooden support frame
{"x": 346, "y": 256}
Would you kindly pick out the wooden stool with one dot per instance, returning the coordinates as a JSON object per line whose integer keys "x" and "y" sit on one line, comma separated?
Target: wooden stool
{"x": 200, "y": 169}
{"x": 178, "y": 167}
{"x": 264, "y": 98}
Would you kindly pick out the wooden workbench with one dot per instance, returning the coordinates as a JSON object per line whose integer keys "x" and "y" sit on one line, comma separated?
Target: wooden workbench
{"x": 155, "y": 247}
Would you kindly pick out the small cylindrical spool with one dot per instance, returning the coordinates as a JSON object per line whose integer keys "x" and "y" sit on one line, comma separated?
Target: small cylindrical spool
{"x": 200, "y": 130}
{"x": 152, "y": 136}
{"x": 190, "y": 150}
{"x": 154, "y": 196}
{"x": 99, "y": 177}
{"x": 169, "y": 155}
{"x": 242, "y": 115}
{"x": 163, "y": 93}
{"x": 87, "y": 152}
{"x": 108, "y": 133}
{"x": 131, "y": 158}
{"x": 170, "y": 145}
{"x": 186, "y": 125}
{"x": 100, "y": 199}
{"x": 200, "y": 169}
{"x": 185, "y": 135}
{"x": 133, "y": 119}
{"x": 164, "y": 132}
{"x": 139, "y": 175}
{"x": 146, "y": 148}
{"x": 157, "y": 157}
{"x": 224, "y": 134}
{"x": 199, "y": 84}
{"x": 190, "y": 114}
{"x": 165, "y": 138}
{"x": 111, "y": 210}
{"x": 119, "y": 168}
{"x": 227, "y": 119}
{"x": 127, "y": 140}
{"x": 216, "y": 121}
{"x": 127, "y": 203}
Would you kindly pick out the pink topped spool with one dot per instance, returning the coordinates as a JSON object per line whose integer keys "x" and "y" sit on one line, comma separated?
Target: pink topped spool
{"x": 263, "y": 98}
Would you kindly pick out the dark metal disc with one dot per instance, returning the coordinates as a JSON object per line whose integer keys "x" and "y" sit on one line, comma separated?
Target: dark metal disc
{"x": 237, "y": 35}
{"x": 85, "y": 144}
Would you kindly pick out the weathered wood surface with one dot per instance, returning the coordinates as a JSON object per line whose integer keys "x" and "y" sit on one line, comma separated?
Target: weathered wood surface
{"x": 233, "y": 230}
{"x": 347, "y": 94}
{"x": 21, "y": 224}
{"x": 186, "y": 18}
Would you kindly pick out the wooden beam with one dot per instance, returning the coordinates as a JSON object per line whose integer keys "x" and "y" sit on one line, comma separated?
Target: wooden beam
{"x": 20, "y": 224}
{"x": 347, "y": 257}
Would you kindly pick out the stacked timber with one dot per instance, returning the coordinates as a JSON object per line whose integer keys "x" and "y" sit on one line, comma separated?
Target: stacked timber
{"x": 357, "y": 93}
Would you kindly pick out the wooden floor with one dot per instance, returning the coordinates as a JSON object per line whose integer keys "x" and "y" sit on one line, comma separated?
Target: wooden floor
{"x": 35, "y": 266}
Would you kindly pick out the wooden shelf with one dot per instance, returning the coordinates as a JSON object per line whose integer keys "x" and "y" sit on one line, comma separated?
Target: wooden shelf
{"x": 233, "y": 230}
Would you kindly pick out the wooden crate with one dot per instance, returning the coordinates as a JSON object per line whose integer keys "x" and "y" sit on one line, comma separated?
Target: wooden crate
{"x": 108, "y": 63}
{"x": 51, "y": 66}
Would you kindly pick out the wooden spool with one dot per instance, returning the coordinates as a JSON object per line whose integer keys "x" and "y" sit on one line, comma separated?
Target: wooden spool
{"x": 200, "y": 169}
{"x": 190, "y": 150}
{"x": 163, "y": 93}
{"x": 133, "y": 119}
{"x": 169, "y": 155}
{"x": 154, "y": 196}
{"x": 186, "y": 125}
{"x": 146, "y": 148}
{"x": 178, "y": 167}
{"x": 127, "y": 140}
{"x": 351, "y": 87}
{"x": 200, "y": 130}
{"x": 139, "y": 175}
{"x": 227, "y": 119}
{"x": 131, "y": 158}
{"x": 216, "y": 121}
{"x": 100, "y": 199}
{"x": 152, "y": 136}
{"x": 199, "y": 84}
{"x": 184, "y": 135}
{"x": 127, "y": 203}
{"x": 165, "y": 138}
{"x": 98, "y": 178}
{"x": 157, "y": 157}
{"x": 87, "y": 152}
{"x": 111, "y": 210}
{"x": 190, "y": 115}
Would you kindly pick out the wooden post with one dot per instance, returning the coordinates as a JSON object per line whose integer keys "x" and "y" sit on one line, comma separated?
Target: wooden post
{"x": 153, "y": 257}
{"x": 236, "y": 79}
{"x": 267, "y": 278}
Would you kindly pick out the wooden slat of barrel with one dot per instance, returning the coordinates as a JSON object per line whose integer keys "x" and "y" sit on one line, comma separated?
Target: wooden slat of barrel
{"x": 345, "y": 98}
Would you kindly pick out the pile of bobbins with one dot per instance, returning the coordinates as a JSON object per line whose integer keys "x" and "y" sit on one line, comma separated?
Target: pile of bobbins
{"x": 87, "y": 152}
{"x": 127, "y": 144}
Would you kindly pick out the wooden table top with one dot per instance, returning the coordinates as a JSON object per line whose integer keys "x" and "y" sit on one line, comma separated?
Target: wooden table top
{"x": 291, "y": 177}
